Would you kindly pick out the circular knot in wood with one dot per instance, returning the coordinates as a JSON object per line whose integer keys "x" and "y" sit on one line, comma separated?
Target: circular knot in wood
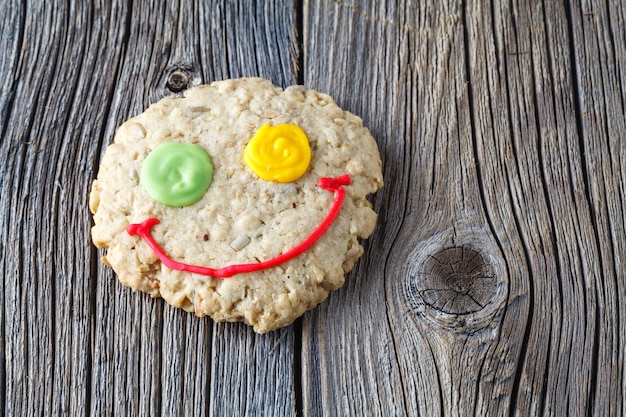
{"x": 457, "y": 281}
{"x": 178, "y": 80}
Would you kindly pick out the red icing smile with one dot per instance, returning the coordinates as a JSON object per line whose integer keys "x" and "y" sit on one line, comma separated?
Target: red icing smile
{"x": 334, "y": 185}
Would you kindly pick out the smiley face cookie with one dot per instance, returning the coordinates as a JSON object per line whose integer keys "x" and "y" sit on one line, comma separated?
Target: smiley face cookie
{"x": 240, "y": 200}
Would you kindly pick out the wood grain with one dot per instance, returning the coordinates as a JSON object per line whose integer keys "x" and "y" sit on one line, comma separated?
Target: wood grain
{"x": 493, "y": 285}
{"x": 482, "y": 112}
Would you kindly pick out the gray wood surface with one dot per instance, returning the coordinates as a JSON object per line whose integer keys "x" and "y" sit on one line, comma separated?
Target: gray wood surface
{"x": 494, "y": 283}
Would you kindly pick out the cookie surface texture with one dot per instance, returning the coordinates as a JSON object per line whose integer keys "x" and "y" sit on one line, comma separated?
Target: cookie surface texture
{"x": 241, "y": 218}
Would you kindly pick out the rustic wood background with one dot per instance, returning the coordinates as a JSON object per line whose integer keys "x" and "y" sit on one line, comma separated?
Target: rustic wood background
{"x": 494, "y": 283}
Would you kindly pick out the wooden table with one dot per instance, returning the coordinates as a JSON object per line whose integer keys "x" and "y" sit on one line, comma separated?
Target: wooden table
{"x": 494, "y": 283}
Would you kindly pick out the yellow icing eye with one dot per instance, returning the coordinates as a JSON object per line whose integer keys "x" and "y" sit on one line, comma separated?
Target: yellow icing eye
{"x": 278, "y": 153}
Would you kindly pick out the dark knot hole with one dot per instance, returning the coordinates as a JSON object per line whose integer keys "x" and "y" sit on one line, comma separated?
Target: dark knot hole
{"x": 178, "y": 80}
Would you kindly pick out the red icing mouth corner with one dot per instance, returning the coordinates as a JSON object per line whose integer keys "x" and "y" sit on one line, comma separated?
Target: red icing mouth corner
{"x": 334, "y": 185}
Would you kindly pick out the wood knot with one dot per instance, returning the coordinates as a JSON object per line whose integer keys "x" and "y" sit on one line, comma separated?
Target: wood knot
{"x": 457, "y": 280}
{"x": 179, "y": 79}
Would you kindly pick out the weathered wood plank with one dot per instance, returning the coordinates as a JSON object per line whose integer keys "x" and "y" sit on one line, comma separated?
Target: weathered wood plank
{"x": 11, "y": 31}
{"x": 599, "y": 76}
{"x": 252, "y": 374}
{"x": 74, "y": 340}
{"x": 529, "y": 78}
{"x": 504, "y": 149}
{"x": 47, "y": 269}
{"x": 353, "y": 52}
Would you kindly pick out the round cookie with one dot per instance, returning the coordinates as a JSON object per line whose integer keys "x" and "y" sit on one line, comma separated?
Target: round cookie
{"x": 245, "y": 218}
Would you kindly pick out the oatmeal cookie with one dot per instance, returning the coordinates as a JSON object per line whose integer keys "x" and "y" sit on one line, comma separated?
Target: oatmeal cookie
{"x": 238, "y": 200}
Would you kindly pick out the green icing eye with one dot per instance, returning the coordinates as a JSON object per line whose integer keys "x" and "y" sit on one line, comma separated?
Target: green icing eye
{"x": 177, "y": 174}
